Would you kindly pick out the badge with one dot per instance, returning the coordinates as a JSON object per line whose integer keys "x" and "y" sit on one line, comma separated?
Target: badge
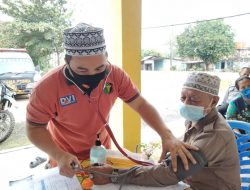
{"x": 107, "y": 88}
{"x": 67, "y": 100}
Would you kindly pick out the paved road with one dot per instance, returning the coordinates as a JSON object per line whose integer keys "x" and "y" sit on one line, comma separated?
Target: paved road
{"x": 19, "y": 108}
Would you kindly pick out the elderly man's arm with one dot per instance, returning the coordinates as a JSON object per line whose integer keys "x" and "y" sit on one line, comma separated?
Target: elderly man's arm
{"x": 159, "y": 175}
{"x": 156, "y": 176}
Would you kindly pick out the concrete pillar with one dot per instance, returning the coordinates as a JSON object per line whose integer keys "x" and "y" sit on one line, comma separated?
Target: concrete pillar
{"x": 126, "y": 22}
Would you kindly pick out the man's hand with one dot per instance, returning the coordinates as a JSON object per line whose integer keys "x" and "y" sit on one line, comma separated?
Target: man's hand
{"x": 169, "y": 142}
{"x": 64, "y": 161}
{"x": 177, "y": 147}
{"x": 41, "y": 137}
{"x": 100, "y": 179}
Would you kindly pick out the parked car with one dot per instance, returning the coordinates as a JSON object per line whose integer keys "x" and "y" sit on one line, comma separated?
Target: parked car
{"x": 17, "y": 70}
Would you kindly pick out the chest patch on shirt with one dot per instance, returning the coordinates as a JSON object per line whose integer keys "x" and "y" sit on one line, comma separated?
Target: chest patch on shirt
{"x": 67, "y": 100}
{"x": 108, "y": 87}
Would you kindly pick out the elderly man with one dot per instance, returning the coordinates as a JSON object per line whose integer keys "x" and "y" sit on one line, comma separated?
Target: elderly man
{"x": 218, "y": 164}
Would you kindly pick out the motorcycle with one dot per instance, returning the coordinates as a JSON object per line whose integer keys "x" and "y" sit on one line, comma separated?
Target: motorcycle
{"x": 7, "y": 120}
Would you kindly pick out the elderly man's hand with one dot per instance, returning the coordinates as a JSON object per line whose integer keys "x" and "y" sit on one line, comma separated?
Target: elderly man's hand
{"x": 100, "y": 179}
{"x": 177, "y": 147}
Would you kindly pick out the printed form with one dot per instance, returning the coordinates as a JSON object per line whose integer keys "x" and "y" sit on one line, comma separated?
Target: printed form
{"x": 49, "y": 180}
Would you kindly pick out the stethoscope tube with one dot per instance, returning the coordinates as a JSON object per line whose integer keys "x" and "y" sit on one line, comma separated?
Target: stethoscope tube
{"x": 106, "y": 124}
{"x": 108, "y": 129}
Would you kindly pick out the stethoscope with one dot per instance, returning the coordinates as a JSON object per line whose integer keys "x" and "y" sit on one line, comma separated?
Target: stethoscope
{"x": 108, "y": 128}
{"x": 106, "y": 124}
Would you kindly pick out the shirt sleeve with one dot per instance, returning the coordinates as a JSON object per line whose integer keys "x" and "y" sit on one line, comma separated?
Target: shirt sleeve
{"x": 155, "y": 176}
{"x": 127, "y": 90}
{"x": 231, "y": 111}
{"x": 206, "y": 143}
{"x": 163, "y": 175}
{"x": 40, "y": 108}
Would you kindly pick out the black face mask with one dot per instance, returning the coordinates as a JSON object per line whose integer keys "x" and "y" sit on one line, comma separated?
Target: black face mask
{"x": 88, "y": 82}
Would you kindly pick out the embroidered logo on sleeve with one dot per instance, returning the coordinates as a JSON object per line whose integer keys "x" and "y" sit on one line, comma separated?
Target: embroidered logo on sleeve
{"x": 67, "y": 100}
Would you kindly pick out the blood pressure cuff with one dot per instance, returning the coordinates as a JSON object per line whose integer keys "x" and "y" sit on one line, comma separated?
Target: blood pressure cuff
{"x": 182, "y": 173}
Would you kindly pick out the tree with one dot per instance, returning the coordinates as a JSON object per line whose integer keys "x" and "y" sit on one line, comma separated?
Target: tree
{"x": 6, "y": 36}
{"x": 209, "y": 41}
{"x": 37, "y": 26}
{"x": 149, "y": 52}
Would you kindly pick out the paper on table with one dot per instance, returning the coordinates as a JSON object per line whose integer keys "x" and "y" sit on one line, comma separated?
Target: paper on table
{"x": 47, "y": 180}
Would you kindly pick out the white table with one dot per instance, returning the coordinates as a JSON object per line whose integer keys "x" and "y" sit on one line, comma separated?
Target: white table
{"x": 11, "y": 169}
{"x": 54, "y": 181}
{"x": 135, "y": 187}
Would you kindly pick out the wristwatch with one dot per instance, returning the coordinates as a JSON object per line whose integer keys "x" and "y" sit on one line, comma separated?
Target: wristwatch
{"x": 114, "y": 172}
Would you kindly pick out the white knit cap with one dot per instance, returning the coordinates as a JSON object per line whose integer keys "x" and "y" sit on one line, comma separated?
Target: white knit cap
{"x": 203, "y": 82}
{"x": 84, "y": 40}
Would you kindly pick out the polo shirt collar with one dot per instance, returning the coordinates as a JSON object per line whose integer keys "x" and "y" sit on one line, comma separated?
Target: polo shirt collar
{"x": 68, "y": 77}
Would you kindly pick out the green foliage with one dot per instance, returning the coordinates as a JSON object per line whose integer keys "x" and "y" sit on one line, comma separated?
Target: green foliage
{"x": 173, "y": 68}
{"x": 7, "y": 39}
{"x": 148, "y": 149}
{"x": 209, "y": 41}
{"x": 37, "y": 26}
{"x": 150, "y": 52}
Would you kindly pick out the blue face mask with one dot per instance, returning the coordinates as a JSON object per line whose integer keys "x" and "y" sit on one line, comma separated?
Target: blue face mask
{"x": 246, "y": 93}
{"x": 192, "y": 113}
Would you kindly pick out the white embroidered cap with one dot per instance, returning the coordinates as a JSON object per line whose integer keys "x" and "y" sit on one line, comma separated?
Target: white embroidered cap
{"x": 84, "y": 40}
{"x": 203, "y": 82}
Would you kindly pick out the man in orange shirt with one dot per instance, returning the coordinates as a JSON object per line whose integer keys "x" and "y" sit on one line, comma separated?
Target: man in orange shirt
{"x": 70, "y": 104}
